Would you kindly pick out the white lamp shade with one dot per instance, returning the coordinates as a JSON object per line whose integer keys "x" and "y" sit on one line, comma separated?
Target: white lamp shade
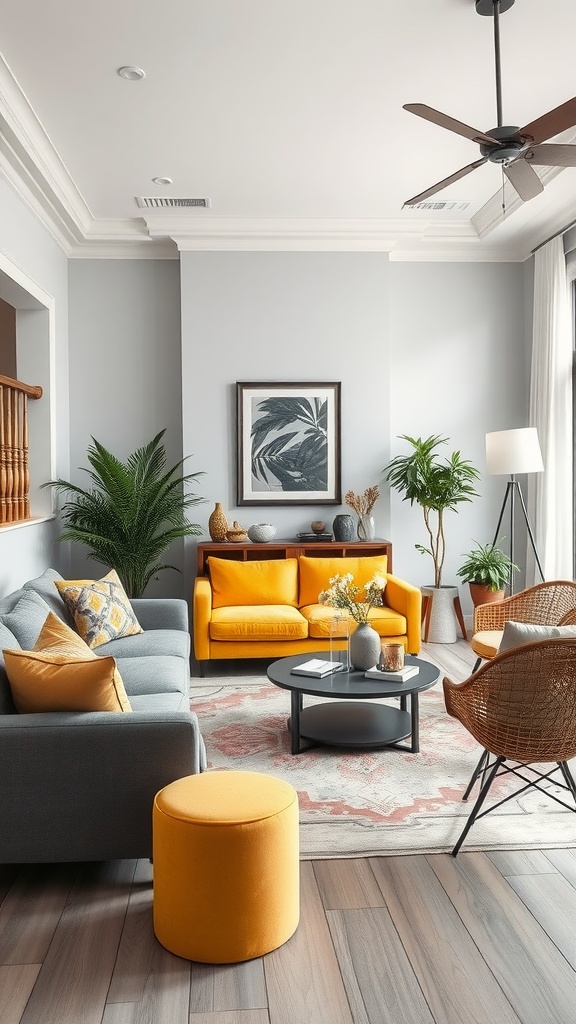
{"x": 512, "y": 452}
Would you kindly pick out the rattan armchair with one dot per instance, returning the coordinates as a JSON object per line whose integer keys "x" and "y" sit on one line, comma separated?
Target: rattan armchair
{"x": 521, "y": 707}
{"x": 546, "y": 604}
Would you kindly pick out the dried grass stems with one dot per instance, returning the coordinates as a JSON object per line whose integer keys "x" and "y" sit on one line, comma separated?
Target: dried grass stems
{"x": 362, "y": 504}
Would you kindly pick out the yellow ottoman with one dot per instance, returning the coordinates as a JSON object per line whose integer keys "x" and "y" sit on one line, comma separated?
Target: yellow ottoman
{"x": 226, "y": 866}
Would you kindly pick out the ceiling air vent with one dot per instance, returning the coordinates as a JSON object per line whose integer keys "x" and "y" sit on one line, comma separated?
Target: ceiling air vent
{"x": 448, "y": 205}
{"x": 157, "y": 202}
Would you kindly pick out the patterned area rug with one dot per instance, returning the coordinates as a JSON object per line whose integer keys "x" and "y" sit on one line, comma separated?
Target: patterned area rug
{"x": 363, "y": 803}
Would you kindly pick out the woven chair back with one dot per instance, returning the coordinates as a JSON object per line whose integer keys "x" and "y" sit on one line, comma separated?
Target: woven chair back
{"x": 545, "y": 604}
{"x": 522, "y": 704}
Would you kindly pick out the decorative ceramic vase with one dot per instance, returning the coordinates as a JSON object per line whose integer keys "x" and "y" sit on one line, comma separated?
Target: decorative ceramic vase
{"x": 343, "y": 527}
{"x": 218, "y": 524}
{"x": 261, "y": 533}
{"x": 364, "y": 647}
{"x": 366, "y": 528}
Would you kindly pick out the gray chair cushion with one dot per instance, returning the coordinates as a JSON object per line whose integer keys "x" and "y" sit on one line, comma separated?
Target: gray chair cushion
{"x": 44, "y": 585}
{"x": 154, "y": 675}
{"x": 152, "y": 642}
{"x": 26, "y": 619}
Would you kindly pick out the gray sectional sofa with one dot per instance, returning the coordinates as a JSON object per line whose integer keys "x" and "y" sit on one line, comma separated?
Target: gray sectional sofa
{"x": 77, "y": 786}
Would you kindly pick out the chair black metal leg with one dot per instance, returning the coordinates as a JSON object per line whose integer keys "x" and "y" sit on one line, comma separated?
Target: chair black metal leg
{"x": 568, "y": 778}
{"x": 477, "y": 664}
{"x": 477, "y": 806}
{"x": 480, "y": 767}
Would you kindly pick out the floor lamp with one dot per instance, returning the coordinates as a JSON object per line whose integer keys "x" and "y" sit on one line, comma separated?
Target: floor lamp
{"x": 512, "y": 452}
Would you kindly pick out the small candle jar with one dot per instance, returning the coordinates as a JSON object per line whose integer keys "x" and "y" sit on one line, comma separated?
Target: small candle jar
{"x": 392, "y": 657}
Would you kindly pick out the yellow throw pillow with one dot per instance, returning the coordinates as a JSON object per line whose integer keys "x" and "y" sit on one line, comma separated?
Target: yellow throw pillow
{"x": 57, "y": 638}
{"x": 101, "y": 609}
{"x": 269, "y": 581}
{"x": 315, "y": 573}
{"x": 52, "y": 681}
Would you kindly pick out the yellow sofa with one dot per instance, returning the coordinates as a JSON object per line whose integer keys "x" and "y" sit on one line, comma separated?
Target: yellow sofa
{"x": 269, "y": 608}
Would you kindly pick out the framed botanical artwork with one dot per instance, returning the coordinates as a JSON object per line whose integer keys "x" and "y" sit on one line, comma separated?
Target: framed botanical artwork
{"x": 288, "y": 443}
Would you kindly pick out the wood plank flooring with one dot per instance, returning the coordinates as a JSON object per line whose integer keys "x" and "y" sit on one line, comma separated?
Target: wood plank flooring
{"x": 428, "y": 939}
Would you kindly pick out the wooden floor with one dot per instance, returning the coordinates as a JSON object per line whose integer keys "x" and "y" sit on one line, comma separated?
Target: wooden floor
{"x": 481, "y": 939}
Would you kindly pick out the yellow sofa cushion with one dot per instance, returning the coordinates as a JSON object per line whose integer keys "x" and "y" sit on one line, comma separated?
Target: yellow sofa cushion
{"x": 385, "y": 621}
{"x": 258, "y": 622}
{"x": 101, "y": 609}
{"x": 63, "y": 674}
{"x": 315, "y": 573}
{"x": 272, "y": 581}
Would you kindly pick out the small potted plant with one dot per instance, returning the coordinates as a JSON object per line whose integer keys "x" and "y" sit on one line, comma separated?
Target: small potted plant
{"x": 487, "y": 569}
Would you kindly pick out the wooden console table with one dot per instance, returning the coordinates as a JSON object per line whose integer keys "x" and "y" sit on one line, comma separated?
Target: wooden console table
{"x": 248, "y": 551}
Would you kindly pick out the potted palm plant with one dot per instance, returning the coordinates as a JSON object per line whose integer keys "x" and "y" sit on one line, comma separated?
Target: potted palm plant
{"x": 131, "y": 513}
{"x": 438, "y": 485}
{"x": 487, "y": 570}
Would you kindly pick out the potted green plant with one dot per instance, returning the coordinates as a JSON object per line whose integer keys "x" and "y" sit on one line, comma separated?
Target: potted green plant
{"x": 487, "y": 570}
{"x": 438, "y": 485}
{"x": 131, "y": 513}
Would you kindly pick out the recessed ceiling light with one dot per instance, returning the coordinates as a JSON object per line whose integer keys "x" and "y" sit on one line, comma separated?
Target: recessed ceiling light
{"x": 162, "y": 181}
{"x": 133, "y": 74}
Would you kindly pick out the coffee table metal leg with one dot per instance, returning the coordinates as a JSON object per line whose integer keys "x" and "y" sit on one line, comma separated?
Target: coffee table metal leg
{"x": 415, "y": 716}
{"x": 295, "y": 709}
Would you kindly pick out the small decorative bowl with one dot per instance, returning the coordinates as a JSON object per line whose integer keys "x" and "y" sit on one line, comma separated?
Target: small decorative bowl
{"x": 318, "y": 526}
{"x": 261, "y": 533}
{"x": 236, "y": 534}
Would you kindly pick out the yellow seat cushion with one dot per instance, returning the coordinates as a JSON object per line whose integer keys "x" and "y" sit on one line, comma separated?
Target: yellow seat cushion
{"x": 101, "y": 609}
{"x": 315, "y": 573}
{"x": 226, "y": 865}
{"x": 258, "y": 622}
{"x": 486, "y": 642}
{"x": 385, "y": 621}
{"x": 271, "y": 581}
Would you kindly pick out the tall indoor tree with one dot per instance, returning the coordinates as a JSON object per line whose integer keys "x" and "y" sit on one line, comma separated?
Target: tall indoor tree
{"x": 131, "y": 513}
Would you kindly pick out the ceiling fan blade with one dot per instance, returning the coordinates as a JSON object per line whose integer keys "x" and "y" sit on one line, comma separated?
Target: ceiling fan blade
{"x": 446, "y": 181}
{"x": 524, "y": 179}
{"x": 552, "y": 123}
{"x": 552, "y": 156}
{"x": 437, "y": 117}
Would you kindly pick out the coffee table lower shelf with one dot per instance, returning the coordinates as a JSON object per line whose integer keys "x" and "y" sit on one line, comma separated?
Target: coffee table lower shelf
{"x": 353, "y": 724}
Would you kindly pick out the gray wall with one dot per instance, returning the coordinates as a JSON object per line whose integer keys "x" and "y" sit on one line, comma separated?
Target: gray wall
{"x": 28, "y": 251}
{"x": 125, "y": 371}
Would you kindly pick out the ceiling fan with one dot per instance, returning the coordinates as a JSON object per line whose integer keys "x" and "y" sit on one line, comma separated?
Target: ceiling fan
{"x": 515, "y": 149}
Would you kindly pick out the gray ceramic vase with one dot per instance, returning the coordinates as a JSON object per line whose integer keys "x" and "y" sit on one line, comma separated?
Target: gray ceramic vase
{"x": 365, "y": 647}
{"x": 343, "y": 527}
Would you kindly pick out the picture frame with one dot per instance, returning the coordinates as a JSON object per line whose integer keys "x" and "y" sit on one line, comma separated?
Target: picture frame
{"x": 288, "y": 443}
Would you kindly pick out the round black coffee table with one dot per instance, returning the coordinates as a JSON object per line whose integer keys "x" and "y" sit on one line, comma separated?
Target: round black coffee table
{"x": 352, "y": 720}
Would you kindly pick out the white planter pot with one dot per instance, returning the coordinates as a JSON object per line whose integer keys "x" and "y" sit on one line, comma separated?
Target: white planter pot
{"x": 442, "y": 629}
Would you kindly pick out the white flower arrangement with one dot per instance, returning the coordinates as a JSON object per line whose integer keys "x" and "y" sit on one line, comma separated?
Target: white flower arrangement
{"x": 343, "y": 593}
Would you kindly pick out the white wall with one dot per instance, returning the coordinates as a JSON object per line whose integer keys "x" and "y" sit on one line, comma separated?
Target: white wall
{"x": 459, "y": 368}
{"x": 28, "y": 253}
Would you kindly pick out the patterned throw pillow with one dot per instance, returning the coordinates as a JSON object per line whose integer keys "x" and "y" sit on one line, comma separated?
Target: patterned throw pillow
{"x": 100, "y": 608}
{"x": 63, "y": 674}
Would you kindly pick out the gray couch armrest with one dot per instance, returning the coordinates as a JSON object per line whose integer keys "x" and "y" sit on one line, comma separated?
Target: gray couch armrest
{"x": 161, "y": 612}
{"x": 81, "y": 786}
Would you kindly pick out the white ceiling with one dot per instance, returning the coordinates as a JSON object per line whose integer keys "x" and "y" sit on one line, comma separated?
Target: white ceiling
{"x": 287, "y": 114}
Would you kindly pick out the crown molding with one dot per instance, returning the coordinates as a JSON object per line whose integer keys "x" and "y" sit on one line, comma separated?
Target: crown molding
{"x": 32, "y": 167}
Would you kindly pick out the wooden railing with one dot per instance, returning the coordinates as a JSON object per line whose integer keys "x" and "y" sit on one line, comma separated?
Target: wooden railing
{"x": 14, "y": 474}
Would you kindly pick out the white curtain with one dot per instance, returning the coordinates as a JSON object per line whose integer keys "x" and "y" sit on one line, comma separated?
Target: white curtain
{"x": 550, "y": 492}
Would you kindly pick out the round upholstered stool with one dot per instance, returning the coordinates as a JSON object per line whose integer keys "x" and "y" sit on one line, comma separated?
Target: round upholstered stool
{"x": 226, "y": 865}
